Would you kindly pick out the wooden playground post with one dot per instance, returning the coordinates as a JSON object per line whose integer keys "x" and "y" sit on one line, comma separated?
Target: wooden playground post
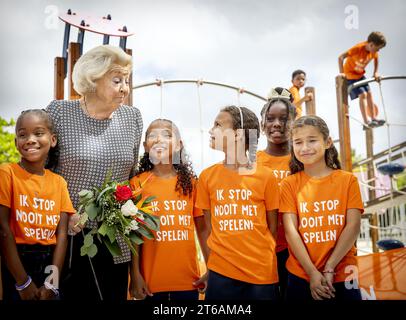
{"x": 59, "y": 77}
{"x": 311, "y": 105}
{"x": 343, "y": 123}
{"x": 73, "y": 56}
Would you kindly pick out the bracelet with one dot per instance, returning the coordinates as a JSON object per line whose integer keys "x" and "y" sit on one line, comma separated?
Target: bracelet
{"x": 51, "y": 287}
{"x": 329, "y": 271}
{"x": 25, "y": 285}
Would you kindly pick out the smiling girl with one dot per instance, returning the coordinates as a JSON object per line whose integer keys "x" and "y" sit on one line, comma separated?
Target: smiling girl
{"x": 321, "y": 206}
{"x": 167, "y": 267}
{"x": 34, "y": 207}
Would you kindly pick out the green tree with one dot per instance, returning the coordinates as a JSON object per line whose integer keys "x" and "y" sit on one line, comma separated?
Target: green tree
{"x": 8, "y": 151}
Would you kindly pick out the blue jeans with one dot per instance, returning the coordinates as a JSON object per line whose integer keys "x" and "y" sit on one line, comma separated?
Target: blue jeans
{"x": 220, "y": 287}
{"x": 299, "y": 290}
{"x": 174, "y": 295}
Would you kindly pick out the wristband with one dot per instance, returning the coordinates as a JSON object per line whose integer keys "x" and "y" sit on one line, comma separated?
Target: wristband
{"x": 329, "y": 271}
{"x": 51, "y": 287}
{"x": 25, "y": 285}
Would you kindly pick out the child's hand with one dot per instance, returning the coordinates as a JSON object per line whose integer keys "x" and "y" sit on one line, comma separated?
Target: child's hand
{"x": 45, "y": 294}
{"x": 319, "y": 287}
{"x": 29, "y": 293}
{"x": 309, "y": 96}
{"x": 329, "y": 276}
{"x": 139, "y": 289}
{"x": 342, "y": 75}
{"x": 377, "y": 77}
{"x": 201, "y": 283}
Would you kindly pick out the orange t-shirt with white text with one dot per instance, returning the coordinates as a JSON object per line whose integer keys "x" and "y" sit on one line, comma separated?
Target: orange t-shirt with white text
{"x": 321, "y": 206}
{"x": 35, "y": 203}
{"x": 242, "y": 246}
{"x": 280, "y": 169}
{"x": 356, "y": 61}
{"x": 169, "y": 262}
{"x": 296, "y": 97}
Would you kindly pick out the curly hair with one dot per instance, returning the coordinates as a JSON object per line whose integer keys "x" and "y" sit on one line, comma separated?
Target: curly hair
{"x": 330, "y": 155}
{"x": 186, "y": 177}
{"x": 53, "y": 154}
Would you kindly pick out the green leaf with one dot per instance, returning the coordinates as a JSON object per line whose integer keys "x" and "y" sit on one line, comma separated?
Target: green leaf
{"x": 103, "y": 229}
{"x": 92, "y": 210}
{"x": 149, "y": 199}
{"x": 152, "y": 221}
{"x": 92, "y": 250}
{"x": 88, "y": 240}
{"x": 146, "y": 233}
{"x": 111, "y": 233}
{"x": 136, "y": 239}
{"x": 138, "y": 198}
{"x": 86, "y": 194}
{"x": 83, "y": 251}
{"x": 113, "y": 247}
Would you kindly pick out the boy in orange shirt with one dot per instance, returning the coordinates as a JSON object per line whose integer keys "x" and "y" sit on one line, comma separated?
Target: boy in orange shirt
{"x": 356, "y": 60}
{"x": 298, "y": 81}
{"x": 277, "y": 116}
{"x": 167, "y": 267}
{"x": 239, "y": 201}
{"x": 34, "y": 208}
{"x": 321, "y": 207}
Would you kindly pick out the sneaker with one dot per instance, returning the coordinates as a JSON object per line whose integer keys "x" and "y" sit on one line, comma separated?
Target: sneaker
{"x": 373, "y": 123}
{"x": 380, "y": 122}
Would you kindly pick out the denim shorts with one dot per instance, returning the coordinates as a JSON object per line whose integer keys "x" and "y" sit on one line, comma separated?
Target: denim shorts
{"x": 354, "y": 94}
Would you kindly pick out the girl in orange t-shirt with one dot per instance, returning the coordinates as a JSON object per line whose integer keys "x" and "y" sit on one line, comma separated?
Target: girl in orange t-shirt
{"x": 34, "y": 203}
{"x": 167, "y": 267}
{"x": 240, "y": 203}
{"x": 277, "y": 116}
{"x": 321, "y": 207}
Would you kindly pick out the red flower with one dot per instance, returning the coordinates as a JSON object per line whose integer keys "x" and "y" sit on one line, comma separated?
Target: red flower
{"x": 123, "y": 193}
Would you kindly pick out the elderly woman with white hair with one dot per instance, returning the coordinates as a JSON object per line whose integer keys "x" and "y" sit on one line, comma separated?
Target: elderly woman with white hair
{"x": 96, "y": 133}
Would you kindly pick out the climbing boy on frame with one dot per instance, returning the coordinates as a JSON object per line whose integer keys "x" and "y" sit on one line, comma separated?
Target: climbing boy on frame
{"x": 356, "y": 60}
{"x": 298, "y": 81}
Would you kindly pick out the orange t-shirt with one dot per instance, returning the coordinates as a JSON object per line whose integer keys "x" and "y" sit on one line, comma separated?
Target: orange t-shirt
{"x": 169, "y": 262}
{"x": 280, "y": 169}
{"x": 356, "y": 61}
{"x": 296, "y": 97}
{"x": 321, "y": 206}
{"x": 35, "y": 203}
{"x": 242, "y": 246}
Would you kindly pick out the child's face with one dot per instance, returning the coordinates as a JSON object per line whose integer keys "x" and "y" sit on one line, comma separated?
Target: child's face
{"x": 275, "y": 123}
{"x": 222, "y": 133}
{"x": 33, "y": 138}
{"x": 299, "y": 80}
{"x": 372, "y": 47}
{"x": 161, "y": 141}
{"x": 309, "y": 145}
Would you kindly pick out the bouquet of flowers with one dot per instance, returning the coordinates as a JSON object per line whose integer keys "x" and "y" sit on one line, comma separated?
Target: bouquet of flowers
{"x": 118, "y": 211}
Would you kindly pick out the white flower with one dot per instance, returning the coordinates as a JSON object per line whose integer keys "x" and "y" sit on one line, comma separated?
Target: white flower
{"x": 129, "y": 209}
{"x": 134, "y": 225}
